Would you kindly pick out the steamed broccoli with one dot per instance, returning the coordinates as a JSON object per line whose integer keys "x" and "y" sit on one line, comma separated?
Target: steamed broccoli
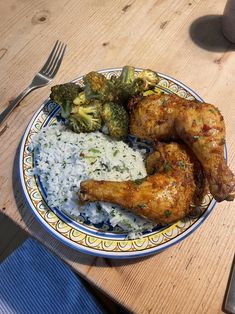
{"x": 115, "y": 118}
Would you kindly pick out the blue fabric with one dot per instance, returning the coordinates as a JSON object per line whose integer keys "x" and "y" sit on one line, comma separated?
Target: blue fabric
{"x": 32, "y": 280}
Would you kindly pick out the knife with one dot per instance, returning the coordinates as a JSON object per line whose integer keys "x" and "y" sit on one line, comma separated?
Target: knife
{"x": 229, "y": 304}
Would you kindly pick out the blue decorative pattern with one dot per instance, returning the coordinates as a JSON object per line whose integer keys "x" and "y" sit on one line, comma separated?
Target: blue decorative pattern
{"x": 81, "y": 235}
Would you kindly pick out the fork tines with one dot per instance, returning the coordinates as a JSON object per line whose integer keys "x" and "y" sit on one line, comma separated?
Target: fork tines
{"x": 54, "y": 60}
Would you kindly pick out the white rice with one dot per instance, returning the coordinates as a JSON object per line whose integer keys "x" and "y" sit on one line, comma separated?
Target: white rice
{"x": 65, "y": 158}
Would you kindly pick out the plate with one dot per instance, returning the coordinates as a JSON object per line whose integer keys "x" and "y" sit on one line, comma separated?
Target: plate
{"x": 80, "y": 235}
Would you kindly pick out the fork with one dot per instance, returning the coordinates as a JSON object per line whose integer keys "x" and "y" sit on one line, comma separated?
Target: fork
{"x": 42, "y": 78}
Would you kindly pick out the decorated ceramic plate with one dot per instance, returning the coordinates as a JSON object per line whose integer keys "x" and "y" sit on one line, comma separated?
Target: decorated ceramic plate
{"x": 81, "y": 235}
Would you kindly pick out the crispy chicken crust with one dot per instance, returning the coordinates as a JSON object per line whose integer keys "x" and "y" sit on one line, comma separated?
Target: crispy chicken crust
{"x": 175, "y": 181}
{"x": 199, "y": 125}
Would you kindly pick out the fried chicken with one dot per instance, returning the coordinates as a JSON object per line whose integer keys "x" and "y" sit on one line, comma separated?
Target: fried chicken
{"x": 175, "y": 181}
{"x": 199, "y": 125}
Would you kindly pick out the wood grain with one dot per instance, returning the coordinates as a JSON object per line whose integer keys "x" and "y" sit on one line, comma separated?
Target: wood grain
{"x": 167, "y": 36}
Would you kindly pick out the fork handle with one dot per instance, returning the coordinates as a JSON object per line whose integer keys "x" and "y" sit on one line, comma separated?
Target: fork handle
{"x": 14, "y": 103}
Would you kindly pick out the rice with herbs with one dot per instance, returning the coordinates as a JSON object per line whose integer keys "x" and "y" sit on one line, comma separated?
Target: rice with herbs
{"x": 65, "y": 158}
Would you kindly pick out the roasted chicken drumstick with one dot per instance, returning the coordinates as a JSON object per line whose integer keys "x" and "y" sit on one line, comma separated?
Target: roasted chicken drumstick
{"x": 175, "y": 181}
{"x": 199, "y": 125}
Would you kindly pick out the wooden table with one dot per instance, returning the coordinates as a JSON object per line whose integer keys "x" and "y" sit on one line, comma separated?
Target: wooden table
{"x": 180, "y": 38}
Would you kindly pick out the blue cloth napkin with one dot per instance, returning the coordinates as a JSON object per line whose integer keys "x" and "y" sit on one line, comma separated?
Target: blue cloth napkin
{"x": 32, "y": 280}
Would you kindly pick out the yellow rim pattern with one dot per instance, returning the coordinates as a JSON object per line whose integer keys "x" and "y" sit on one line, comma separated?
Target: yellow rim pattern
{"x": 85, "y": 241}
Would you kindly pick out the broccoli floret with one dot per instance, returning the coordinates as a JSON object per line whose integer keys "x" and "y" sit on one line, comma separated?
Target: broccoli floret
{"x": 80, "y": 99}
{"x": 64, "y": 92}
{"x": 81, "y": 114}
{"x": 85, "y": 118}
{"x": 136, "y": 87}
{"x": 100, "y": 103}
{"x": 97, "y": 86}
{"x": 115, "y": 118}
{"x": 127, "y": 85}
{"x": 128, "y": 74}
{"x": 150, "y": 79}
{"x": 119, "y": 89}
{"x": 63, "y": 95}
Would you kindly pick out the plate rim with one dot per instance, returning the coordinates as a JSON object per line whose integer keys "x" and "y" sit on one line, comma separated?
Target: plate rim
{"x": 89, "y": 250}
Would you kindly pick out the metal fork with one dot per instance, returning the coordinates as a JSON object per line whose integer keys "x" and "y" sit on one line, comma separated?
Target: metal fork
{"x": 42, "y": 78}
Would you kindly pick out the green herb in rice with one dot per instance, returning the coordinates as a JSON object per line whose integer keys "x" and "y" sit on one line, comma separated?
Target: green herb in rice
{"x": 63, "y": 164}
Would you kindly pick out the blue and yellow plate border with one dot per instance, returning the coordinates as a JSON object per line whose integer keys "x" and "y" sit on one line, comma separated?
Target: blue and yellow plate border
{"x": 88, "y": 239}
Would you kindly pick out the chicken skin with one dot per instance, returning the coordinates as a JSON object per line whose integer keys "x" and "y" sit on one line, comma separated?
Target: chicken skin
{"x": 199, "y": 125}
{"x": 175, "y": 181}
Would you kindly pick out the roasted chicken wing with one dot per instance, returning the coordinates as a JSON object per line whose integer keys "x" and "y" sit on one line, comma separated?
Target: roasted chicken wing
{"x": 199, "y": 125}
{"x": 175, "y": 181}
